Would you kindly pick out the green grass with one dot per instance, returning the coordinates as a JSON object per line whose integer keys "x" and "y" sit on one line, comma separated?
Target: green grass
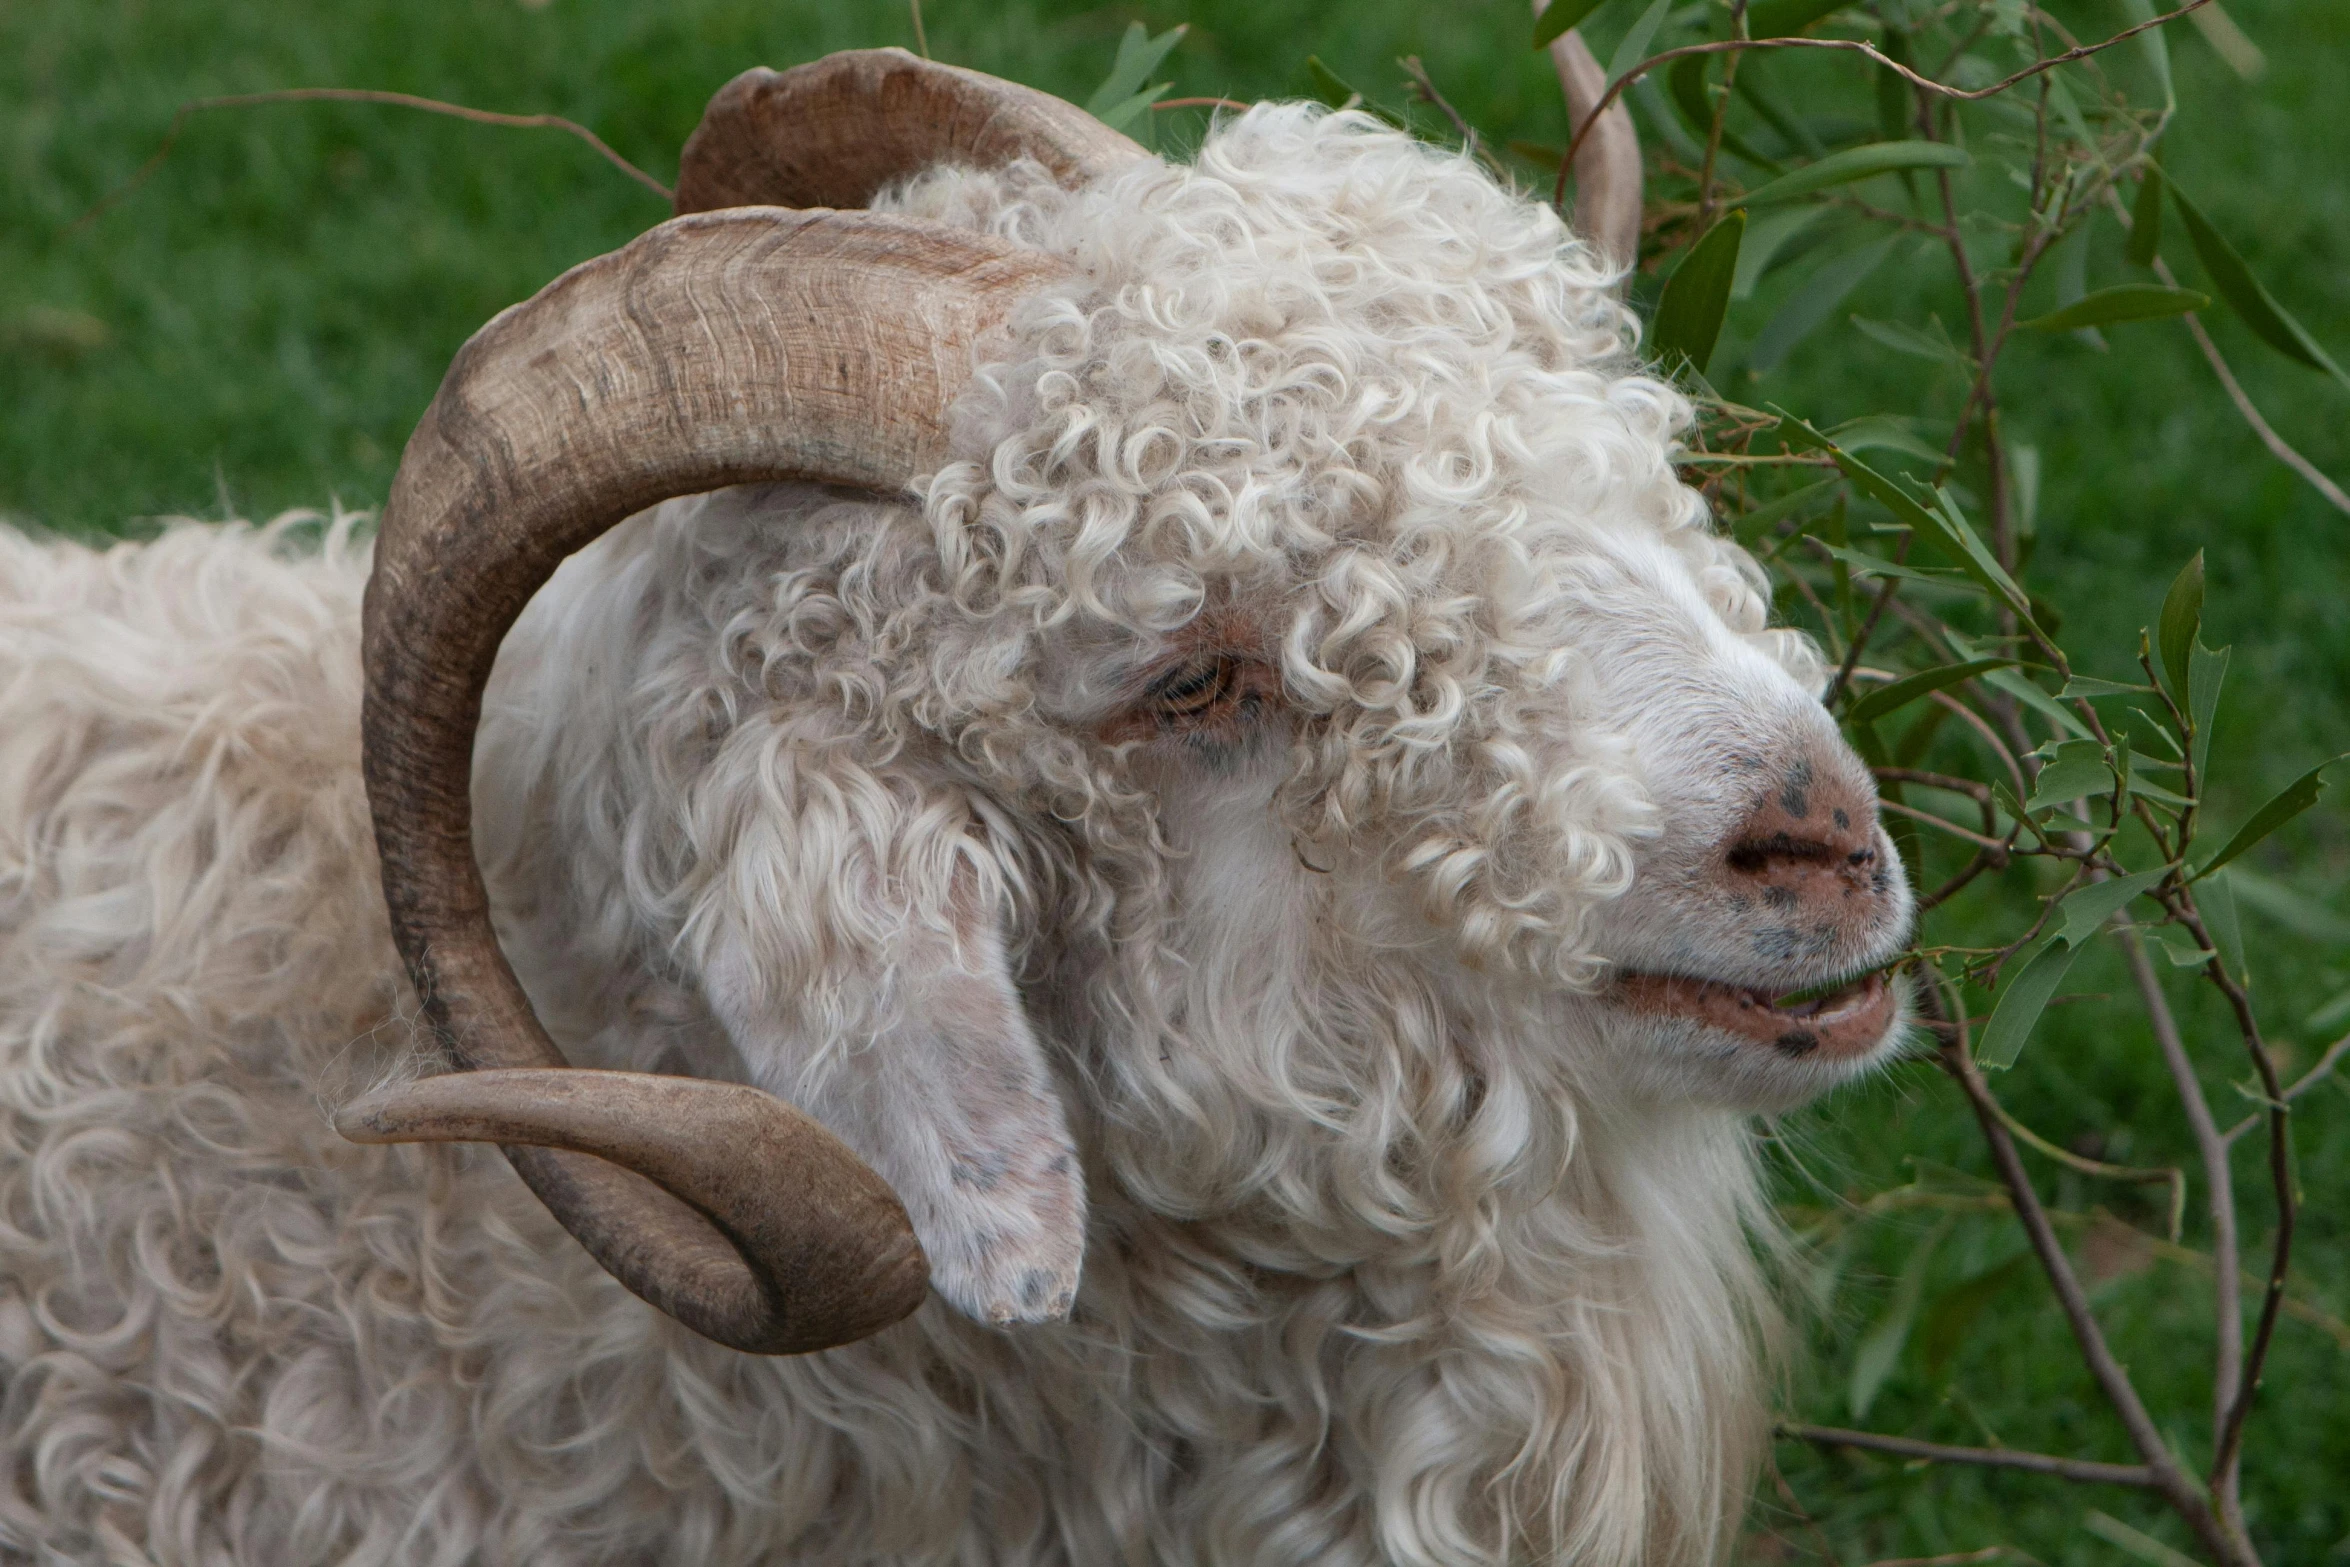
{"x": 258, "y": 327}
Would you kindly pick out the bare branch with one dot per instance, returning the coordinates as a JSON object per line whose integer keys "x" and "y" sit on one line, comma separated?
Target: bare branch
{"x": 2302, "y": 1085}
{"x": 1988, "y": 1457}
{"x": 2219, "y": 1182}
{"x": 1426, "y": 88}
{"x": 401, "y": 100}
{"x": 2278, "y": 447}
{"x": 2184, "y": 1495}
{"x": 1616, "y": 88}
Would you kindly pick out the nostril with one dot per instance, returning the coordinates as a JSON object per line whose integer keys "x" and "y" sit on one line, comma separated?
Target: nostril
{"x": 1756, "y": 856}
{"x": 1818, "y": 819}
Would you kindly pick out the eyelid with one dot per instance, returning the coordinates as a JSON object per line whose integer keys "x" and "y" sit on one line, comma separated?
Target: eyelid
{"x": 1186, "y": 681}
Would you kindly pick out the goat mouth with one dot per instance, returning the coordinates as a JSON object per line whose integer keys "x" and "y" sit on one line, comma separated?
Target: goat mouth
{"x": 1850, "y": 1020}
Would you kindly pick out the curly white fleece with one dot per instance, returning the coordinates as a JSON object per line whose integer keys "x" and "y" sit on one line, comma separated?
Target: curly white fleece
{"x": 1382, "y": 1264}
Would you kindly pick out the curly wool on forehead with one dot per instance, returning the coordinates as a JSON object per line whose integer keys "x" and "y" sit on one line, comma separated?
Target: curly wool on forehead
{"x": 1321, "y": 347}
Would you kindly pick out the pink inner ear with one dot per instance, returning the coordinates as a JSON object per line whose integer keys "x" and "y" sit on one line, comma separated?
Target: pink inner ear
{"x": 924, "y": 1063}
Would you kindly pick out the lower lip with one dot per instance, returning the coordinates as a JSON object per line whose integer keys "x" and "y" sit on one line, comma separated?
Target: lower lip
{"x": 1850, "y": 1023}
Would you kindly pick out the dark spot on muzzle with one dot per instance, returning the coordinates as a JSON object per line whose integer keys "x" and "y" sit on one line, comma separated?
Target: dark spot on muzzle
{"x": 1795, "y": 798}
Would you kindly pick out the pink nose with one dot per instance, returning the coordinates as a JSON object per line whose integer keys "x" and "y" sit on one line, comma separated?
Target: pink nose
{"x": 1813, "y": 844}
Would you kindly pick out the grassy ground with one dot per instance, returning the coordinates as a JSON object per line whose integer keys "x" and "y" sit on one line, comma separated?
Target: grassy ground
{"x": 258, "y": 327}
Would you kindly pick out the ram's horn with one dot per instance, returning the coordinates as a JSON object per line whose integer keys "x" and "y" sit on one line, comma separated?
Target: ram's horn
{"x": 1608, "y": 172}
{"x": 717, "y": 349}
{"x": 831, "y": 133}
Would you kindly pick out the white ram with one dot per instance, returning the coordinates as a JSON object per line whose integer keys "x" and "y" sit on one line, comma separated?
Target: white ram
{"x": 1186, "y": 717}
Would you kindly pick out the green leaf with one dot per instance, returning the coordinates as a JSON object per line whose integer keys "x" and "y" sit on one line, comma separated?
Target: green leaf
{"x": 1120, "y": 116}
{"x": 1781, "y": 18}
{"x": 2216, "y": 901}
{"x": 2325, "y": 1017}
{"x": 1854, "y": 163}
{"x": 1634, "y": 48}
{"x": 1955, "y": 1311}
{"x": 1880, "y": 1348}
{"x": 1901, "y": 693}
{"x": 1794, "y": 127}
{"x": 2024, "y": 468}
{"x": 2090, "y": 685}
{"x": 2244, "y": 293}
{"x": 2182, "y": 617}
{"x": 2122, "y": 302}
{"x": 1882, "y": 433}
{"x": 1765, "y": 238}
{"x": 2303, "y": 916}
{"x": 2114, "y": 1532}
{"x": 1796, "y": 434}
{"x": 1687, "y": 82}
{"x": 2069, "y": 110}
{"x": 2282, "y": 807}
{"x": 1751, "y": 527}
{"x": 2077, "y": 768}
{"x": 2180, "y": 948}
{"x": 1139, "y": 54}
{"x": 1916, "y": 342}
{"x": 2090, "y": 905}
{"x": 1330, "y": 87}
{"x": 1560, "y": 15}
{"x": 2157, "y": 50}
{"x": 1815, "y": 301}
{"x": 2153, "y": 791}
{"x": 1895, "y": 101}
{"x": 2024, "y": 691}
{"x": 2004, "y": 794}
{"x": 2207, "y": 671}
{"x": 1697, "y": 296}
{"x": 1870, "y": 565}
{"x": 2023, "y": 995}
{"x": 1986, "y": 567}
{"x": 2146, "y": 219}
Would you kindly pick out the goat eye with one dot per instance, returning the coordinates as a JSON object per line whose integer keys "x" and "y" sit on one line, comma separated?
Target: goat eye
{"x": 1195, "y": 690}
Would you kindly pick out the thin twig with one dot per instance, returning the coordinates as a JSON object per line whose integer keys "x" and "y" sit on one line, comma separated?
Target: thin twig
{"x": 1999, "y": 747}
{"x": 1943, "y": 822}
{"x": 1988, "y": 1457}
{"x": 2302, "y": 1085}
{"x": 2278, "y": 447}
{"x": 2280, "y": 1173}
{"x": 2185, "y": 1497}
{"x": 1428, "y": 94}
{"x": 1827, "y": 1552}
{"x": 1616, "y": 88}
{"x": 1868, "y": 627}
{"x": 555, "y": 122}
{"x": 2219, "y": 1181}
{"x": 921, "y": 40}
{"x": 2174, "y": 1178}
{"x": 1200, "y": 103}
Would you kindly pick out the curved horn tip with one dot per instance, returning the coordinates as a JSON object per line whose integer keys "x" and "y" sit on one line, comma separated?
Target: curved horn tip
{"x": 1609, "y": 173}
{"x": 834, "y": 131}
{"x": 371, "y": 1118}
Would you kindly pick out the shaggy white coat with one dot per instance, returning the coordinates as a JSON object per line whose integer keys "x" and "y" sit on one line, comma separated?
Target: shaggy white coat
{"x": 1386, "y": 1244}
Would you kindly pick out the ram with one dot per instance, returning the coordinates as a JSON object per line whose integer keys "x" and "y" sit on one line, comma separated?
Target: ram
{"x": 1127, "y": 797}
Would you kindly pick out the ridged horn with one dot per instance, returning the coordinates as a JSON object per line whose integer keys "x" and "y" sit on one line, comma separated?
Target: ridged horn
{"x": 717, "y": 349}
{"x": 833, "y": 132}
{"x": 1608, "y": 171}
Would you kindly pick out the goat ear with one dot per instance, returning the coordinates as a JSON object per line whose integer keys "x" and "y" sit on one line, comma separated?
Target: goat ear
{"x": 885, "y": 1009}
